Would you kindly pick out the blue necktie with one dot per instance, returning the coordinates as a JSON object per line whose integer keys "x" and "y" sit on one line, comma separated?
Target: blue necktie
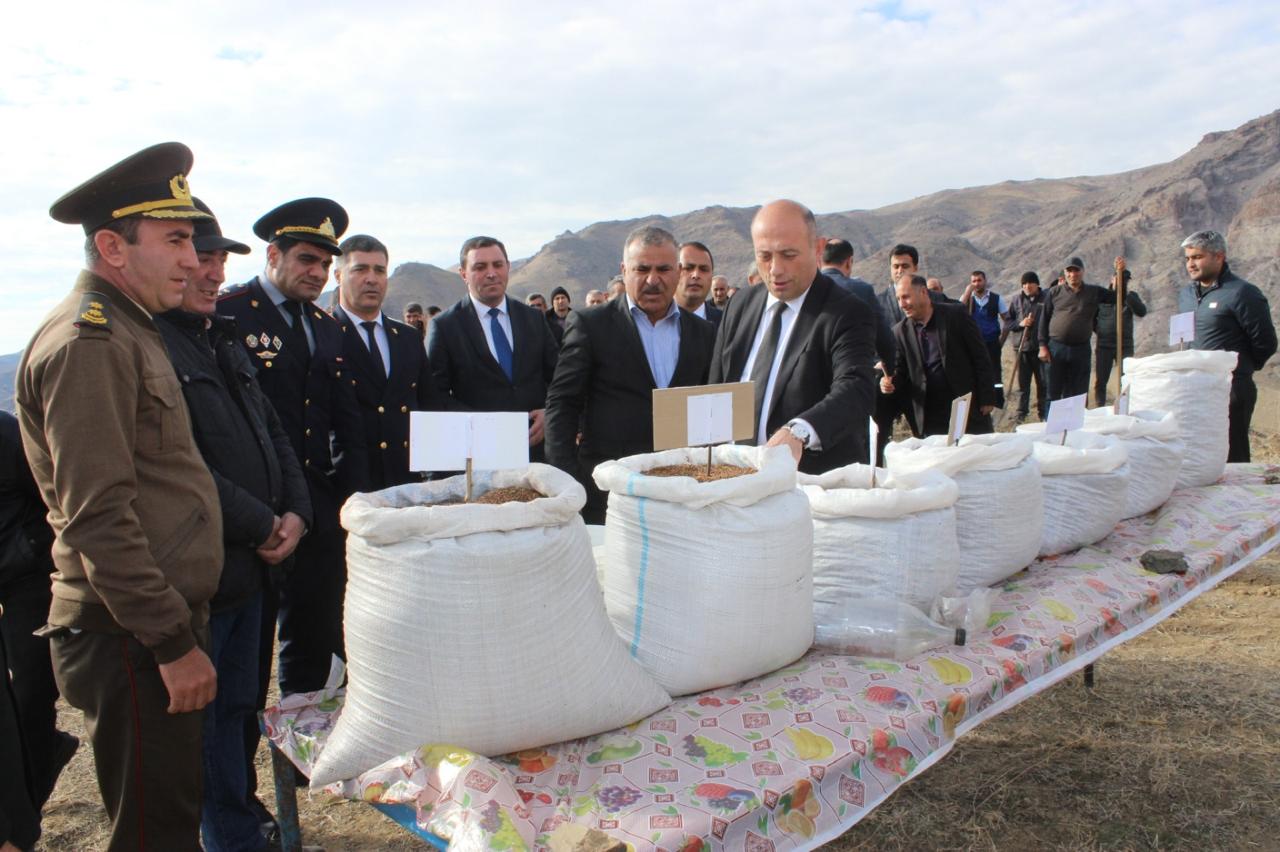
{"x": 500, "y": 343}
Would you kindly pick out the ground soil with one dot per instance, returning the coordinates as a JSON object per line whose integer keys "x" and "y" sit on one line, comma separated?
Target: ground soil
{"x": 699, "y": 471}
{"x": 1176, "y": 747}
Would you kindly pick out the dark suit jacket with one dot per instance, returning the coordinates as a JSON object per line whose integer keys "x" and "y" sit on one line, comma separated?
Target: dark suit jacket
{"x": 385, "y": 401}
{"x": 864, "y": 291}
{"x": 314, "y": 400}
{"x": 825, "y": 377}
{"x": 964, "y": 360}
{"x": 714, "y": 315}
{"x": 603, "y": 377}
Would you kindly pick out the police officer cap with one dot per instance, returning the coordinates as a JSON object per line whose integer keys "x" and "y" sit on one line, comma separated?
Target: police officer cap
{"x": 152, "y": 184}
{"x": 208, "y": 235}
{"x": 313, "y": 220}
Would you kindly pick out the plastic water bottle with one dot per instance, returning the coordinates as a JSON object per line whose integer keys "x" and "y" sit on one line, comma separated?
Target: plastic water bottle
{"x": 889, "y": 629}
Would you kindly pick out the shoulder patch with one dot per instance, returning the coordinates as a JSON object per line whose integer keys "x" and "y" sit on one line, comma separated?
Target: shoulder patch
{"x": 233, "y": 291}
{"x": 93, "y": 312}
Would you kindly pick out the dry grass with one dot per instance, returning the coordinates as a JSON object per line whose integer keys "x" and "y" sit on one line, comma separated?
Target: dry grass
{"x": 1178, "y": 747}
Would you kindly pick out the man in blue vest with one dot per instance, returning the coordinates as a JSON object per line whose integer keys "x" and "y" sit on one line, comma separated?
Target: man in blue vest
{"x": 987, "y": 309}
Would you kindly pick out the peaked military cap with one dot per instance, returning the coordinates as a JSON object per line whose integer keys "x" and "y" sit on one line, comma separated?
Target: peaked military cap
{"x": 313, "y": 220}
{"x": 208, "y": 236}
{"x": 152, "y": 184}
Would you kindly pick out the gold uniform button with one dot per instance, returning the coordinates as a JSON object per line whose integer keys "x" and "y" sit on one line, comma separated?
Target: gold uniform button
{"x": 307, "y": 462}
{"x": 413, "y": 384}
{"x": 381, "y": 410}
{"x": 406, "y": 445}
{"x": 306, "y": 402}
{"x": 307, "y": 433}
{"x": 404, "y": 409}
{"x": 383, "y": 445}
{"x": 268, "y": 364}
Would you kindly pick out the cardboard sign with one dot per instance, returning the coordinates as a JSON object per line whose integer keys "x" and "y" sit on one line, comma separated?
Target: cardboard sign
{"x": 444, "y": 440}
{"x": 959, "y": 418}
{"x": 1182, "y": 328}
{"x": 678, "y": 420}
{"x": 710, "y": 419}
{"x": 1066, "y": 414}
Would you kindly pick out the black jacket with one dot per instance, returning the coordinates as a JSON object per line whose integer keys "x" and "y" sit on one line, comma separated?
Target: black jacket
{"x": 826, "y": 373}
{"x": 25, "y": 535}
{"x": 1021, "y": 306}
{"x": 603, "y": 385}
{"x": 1104, "y": 324}
{"x": 1234, "y": 315}
{"x": 964, "y": 361}
{"x": 864, "y": 291}
{"x": 242, "y": 442}
{"x": 314, "y": 399}
{"x": 386, "y": 401}
{"x": 465, "y": 370}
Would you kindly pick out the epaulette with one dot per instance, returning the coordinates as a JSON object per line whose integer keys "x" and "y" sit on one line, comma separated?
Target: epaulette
{"x": 233, "y": 290}
{"x": 92, "y": 313}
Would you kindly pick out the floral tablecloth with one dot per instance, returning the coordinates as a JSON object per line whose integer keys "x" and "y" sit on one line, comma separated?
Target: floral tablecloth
{"x": 795, "y": 758}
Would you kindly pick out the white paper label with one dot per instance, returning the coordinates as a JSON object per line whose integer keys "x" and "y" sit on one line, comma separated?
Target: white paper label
{"x": 1182, "y": 328}
{"x": 1065, "y": 414}
{"x": 873, "y": 439}
{"x": 444, "y": 440}
{"x": 710, "y": 418}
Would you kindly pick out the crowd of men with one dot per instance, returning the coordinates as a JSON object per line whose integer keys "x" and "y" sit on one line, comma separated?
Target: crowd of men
{"x": 185, "y": 446}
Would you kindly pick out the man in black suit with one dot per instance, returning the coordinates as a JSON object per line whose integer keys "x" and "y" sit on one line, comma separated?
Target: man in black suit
{"x": 613, "y": 358}
{"x": 940, "y": 356}
{"x": 297, "y": 349}
{"x": 697, "y": 268}
{"x": 837, "y": 264}
{"x": 385, "y": 361}
{"x": 806, "y": 343}
{"x": 491, "y": 353}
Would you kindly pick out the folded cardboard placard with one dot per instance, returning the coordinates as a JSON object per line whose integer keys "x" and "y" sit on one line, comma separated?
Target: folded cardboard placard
{"x": 702, "y": 415}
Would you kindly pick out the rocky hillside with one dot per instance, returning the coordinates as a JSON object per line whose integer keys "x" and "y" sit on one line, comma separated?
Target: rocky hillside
{"x": 1229, "y": 181}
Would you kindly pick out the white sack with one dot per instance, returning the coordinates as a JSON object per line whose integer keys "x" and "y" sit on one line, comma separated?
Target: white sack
{"x": 1085, "y": 483}
{"x": 1196, "y": 386}
{"x": 479, "y": 626}
{"x": 709, "y": 583}
{"x": 1000, "y": 507}
{"x": 894, "y": 542}
{"x": 1155, "y": 453}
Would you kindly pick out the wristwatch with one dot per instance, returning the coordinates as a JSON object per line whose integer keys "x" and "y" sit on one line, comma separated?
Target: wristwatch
{"x": 801, "y": 431}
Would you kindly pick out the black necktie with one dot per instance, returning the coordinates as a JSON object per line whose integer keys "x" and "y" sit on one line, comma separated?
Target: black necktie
{"x": 299, "y": 344}
{"x": 764, "y": 362}
{"x": 369, "y": 326}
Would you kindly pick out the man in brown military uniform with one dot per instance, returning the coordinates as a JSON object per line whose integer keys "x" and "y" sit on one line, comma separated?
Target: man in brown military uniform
{"x": 138, "y": 548}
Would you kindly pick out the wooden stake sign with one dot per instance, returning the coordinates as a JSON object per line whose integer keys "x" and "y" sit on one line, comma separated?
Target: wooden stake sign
{"x": 468, "y": 441}
{"x": 959, "y": 418}
{"x": 1120, "y": 297}
{"x": 1065, "y": 415}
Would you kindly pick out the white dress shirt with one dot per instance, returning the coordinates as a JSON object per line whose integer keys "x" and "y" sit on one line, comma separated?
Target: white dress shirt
{"x": 379, "y": 334}
{"x": 788, "y": 323}
{"x": 504, "y": 320}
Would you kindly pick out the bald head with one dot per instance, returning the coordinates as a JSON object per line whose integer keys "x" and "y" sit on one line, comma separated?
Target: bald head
{"x": 787, "y": 246}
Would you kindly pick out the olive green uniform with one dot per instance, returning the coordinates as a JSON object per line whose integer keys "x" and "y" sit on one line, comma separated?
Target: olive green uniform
{"x": 138, "y": 549}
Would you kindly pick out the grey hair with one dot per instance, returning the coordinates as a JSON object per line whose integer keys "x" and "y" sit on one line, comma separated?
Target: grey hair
{"x": 1210, "y": 241}
{"x": 649, "y": 235}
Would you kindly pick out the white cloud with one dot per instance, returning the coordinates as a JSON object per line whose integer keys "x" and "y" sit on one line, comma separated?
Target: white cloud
{"x": 432, "y": 122}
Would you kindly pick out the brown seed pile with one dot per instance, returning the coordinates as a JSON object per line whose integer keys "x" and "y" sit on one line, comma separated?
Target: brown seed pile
{"x": 511, "y": 494}
{"x": 699, "y": 471}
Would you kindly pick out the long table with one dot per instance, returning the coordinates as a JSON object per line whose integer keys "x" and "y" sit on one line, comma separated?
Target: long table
{"x": 794, "y": 759}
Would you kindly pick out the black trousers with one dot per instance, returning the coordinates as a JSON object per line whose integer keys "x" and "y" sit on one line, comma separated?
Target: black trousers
{"x": 1104, "y": 359}
{"x": 1030, "y": 368}
{"x": 311, "y": 598}
{"x": 887, "y": 411}
{"x": 148, "y": 761}
{"x": 1244, "y": 396}
{"x": 26, "y": 601}
{"x": 1068, "y": 369}
{"x": 19, "y": 815}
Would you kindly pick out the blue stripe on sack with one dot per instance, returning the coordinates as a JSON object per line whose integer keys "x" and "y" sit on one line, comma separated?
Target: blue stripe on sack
{"x": 644, "y": 562}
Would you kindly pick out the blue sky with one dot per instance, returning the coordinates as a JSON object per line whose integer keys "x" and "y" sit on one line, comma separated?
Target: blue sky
{"x": 434, "y": 122}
